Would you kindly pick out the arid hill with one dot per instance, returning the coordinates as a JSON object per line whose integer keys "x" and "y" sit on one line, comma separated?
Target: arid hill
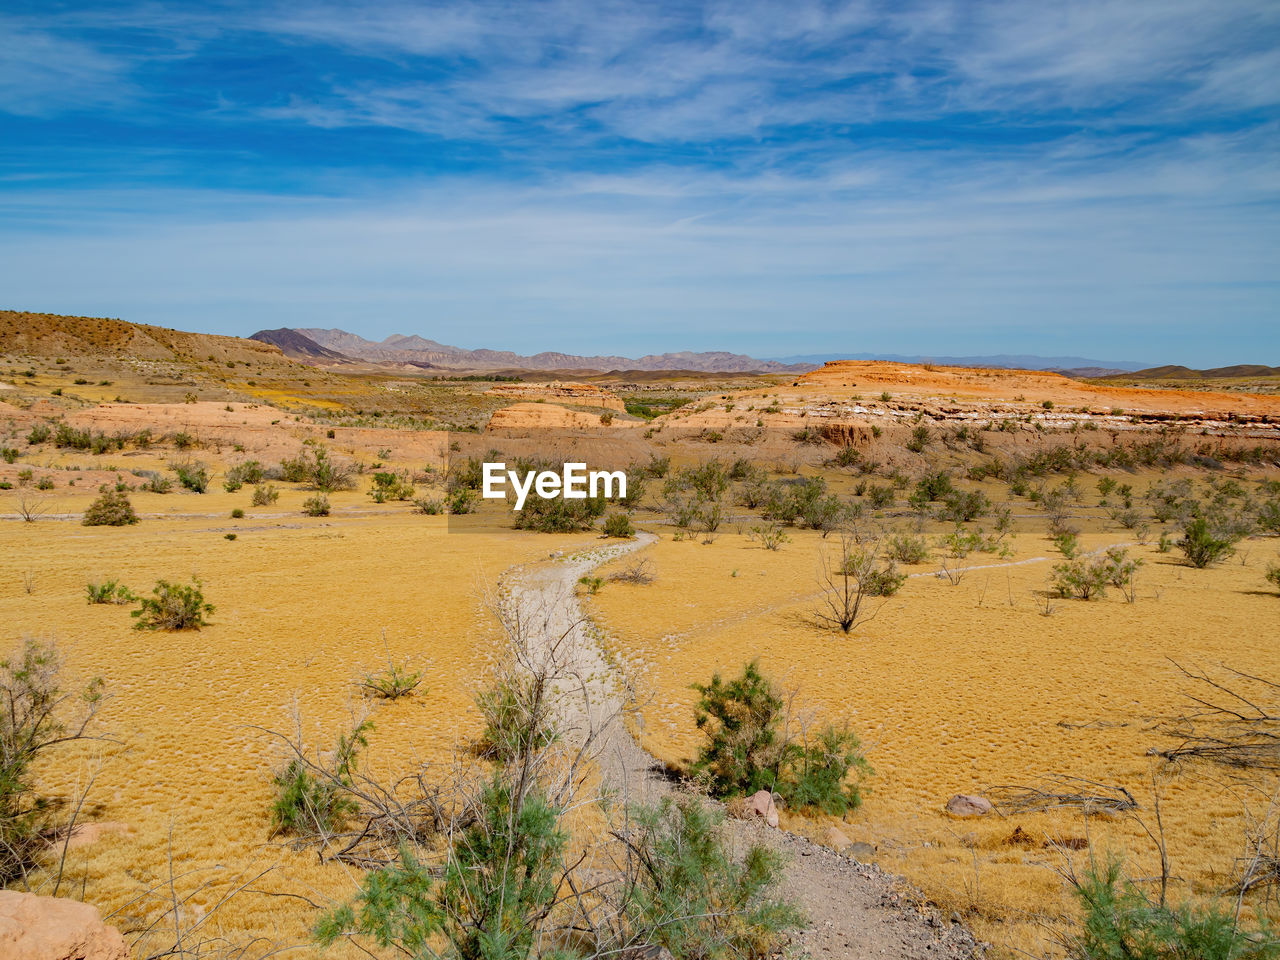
{"x": 52, "y": 335}
{"x": 297, "y": 347}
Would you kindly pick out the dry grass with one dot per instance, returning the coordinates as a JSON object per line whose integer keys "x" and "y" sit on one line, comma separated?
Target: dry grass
{"x": 301, "y": 605}
{"x": 956, "y": 689}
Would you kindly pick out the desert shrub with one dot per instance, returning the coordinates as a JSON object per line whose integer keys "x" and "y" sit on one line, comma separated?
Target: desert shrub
{"x": 264, "y": 494}
{"x": 173, "y": 606}
{"x": 877, "y": 580}
{"x": 1122, "y": 923}
{"x": 38, "y": 434}
{"x": 489, "y": 900}
{"x": 558, "y": 515}
{"x": 111, "y": 509}
{"x": 905, "y": 548}
{"x": 109, "y": 591}
{"x": 961, "y": 506}
{"x": 45, "y": 482}
{"x": 317, "y": 506}
{"x": 308, "y": 803}
{"x": 314, "y": 467}
{"x": 880, "y": 496}
{"x": 771, "y": 535}
{"x": 36, "y": 715}
{"x": 618, "y": 525}
{"x": 592, "y": 583}
{"x": 515, "y": 719}
{"x": 193, "y": 475}
{"x": 1127, "y": 517}
{"x": 935, "y": 485}
{"x": 10, "y": 454}
{"x": 390, "y": 486}
{"x": 746, "y": 748}
{"x": 1269, "y": 516}
{"x": 155, "y": 482}
{"x": 462, "y": 501}
{"x": 1273, "y": 574}
{"x": 740, "y": 718}
{"x": 657, "y": 467}
{"x": 1085, "y": 578}
{"x": 428, "y": 505}
{"x": 1200, "y": 545}
{"x": 248, "y": 472}
{"x": 921, "y": 437}
{"x": 693, "y": 896}
{"x": 237, "y": 514}
{"x": 846, "y": 456}
{"x": 959, "y": 543}
{"x": 1068, "y": 544}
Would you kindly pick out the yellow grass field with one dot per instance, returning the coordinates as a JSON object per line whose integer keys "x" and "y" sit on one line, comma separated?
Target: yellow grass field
{"x": 302, "y": 604}
{"x": 957, "y": 688}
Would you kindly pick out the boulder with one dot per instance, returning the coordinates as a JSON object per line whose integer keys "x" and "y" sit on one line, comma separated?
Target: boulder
{"x": 862, "y": 852}
{"x": 760, "y": 806}
{"x": 55, "y": 928}
{"x": 835, "y": 839}
{"x": 968, "y": 805}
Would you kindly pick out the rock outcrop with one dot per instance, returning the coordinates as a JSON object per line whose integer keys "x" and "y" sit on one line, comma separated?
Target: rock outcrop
{"x": 54, "y": 928}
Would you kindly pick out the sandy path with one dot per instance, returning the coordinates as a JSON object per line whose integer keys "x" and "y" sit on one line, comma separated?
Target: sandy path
{"x": 854, "y": 909}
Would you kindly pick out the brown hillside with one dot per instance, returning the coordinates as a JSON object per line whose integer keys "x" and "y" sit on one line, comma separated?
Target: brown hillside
{"x": 49, "y": 335}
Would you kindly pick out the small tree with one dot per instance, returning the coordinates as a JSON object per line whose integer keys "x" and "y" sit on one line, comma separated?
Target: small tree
{"x": 111, "y": 509}
{"x": 740, "y": 718}
{"x": 848, "y": 582}
{"x": 172, "y": 606}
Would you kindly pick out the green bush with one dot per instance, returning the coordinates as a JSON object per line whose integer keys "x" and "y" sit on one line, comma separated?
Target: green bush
{"x": 905, "y": 548}
{"x": 308, "y": 803}
{"x": 317, "y": 506}
{"x": 462, "y": 500}
{"x": 489, "y": 900}
{"x": 618, "y": 525}
{"x": 237, "y": 514}
{"x": 264, "y": 494}
{"x": 172, "y": 606}
{"x": 314, "y": 467}
{"x": 109, "y": 591}
{"x": 746, "y": 751}
{"x": 10, "y": 454}
{"x": 693, "y": 896}
{"x": 558, "y": 515}
{"x": 1200, "y": 545}
{"x": 1121, "y": 923}
{"x": 111, "y": 509}
{"x": 38, "y": 434}
{"x": 390, "y": 486}
{"x": 248, "y": 472}
{"x": 431, "y": 506}
{"x": 193, "y": 475}
{"x": 515, "y": 720}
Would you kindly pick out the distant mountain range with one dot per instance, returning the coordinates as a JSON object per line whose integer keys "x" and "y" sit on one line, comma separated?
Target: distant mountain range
{"x": 313, "y": 345}
{"x": 1176, "y": 372}
{"x": 1077, "y": 366}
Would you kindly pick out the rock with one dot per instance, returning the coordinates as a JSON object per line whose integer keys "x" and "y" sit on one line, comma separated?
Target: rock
{"x": 760, "y": 806}
{"x": 862, "y": 852}
{"x": 835, "y": 839}
{"x": 55, "y": 928}
{"x": 968, "y": 805}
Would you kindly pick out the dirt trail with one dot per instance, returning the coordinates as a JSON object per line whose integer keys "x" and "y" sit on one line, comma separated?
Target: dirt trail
{"x": 854, "y": 909}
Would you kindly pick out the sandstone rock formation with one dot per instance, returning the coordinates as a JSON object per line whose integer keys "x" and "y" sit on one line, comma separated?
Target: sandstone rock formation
{"x": 54, "y": 928}
{"x": 968, "y": 805}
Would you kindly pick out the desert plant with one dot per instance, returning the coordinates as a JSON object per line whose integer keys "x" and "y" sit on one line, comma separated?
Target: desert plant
{"x": 264, "y": 494}
{"x": 314, "y": 467}
{"x": 193, "y": 475}
{"x": 173, "y": 606}
{"x": 38, "y": 434}
{"x": 237, "y": 513}
{"x": 157, "y": 482}
{"x": 462, "y": 501}
{"x": 770, "y": 535}
{"x": 431, "y": 506}
{"x": 37, "y": 715}
{"x": 1273, "y": 574}
{"x": 317, "y": 506}
{"x": 905, "y": 548}
{"x": 750, "y": 745}
{"x": 638, "y": 572}
{"x": 921, "y": 437}
{"x": 111, "y": 509}
{"x": 308, "y": 804}
{"x": 847, "y": 583}
{"x": 618, "y": 525}
{"x": 1122, "y": 923}
{"x": 690, "y": 895}
{"x": 248, "y": 472}
{"x": 1200, "y": 545}
{"x": 109, "y": 591}
{"x": 390, "y": 486}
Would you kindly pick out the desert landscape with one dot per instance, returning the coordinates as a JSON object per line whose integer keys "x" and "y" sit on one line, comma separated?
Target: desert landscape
{"x": 1037, "y": 613}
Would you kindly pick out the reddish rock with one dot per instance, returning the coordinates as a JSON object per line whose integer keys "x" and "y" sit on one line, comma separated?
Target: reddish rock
{"x": 760, "y": 806}
{"x": 54, "y": 928}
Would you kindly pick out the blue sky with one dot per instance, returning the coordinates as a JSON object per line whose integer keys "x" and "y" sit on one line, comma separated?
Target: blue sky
{"x": 1092, "y": 178}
